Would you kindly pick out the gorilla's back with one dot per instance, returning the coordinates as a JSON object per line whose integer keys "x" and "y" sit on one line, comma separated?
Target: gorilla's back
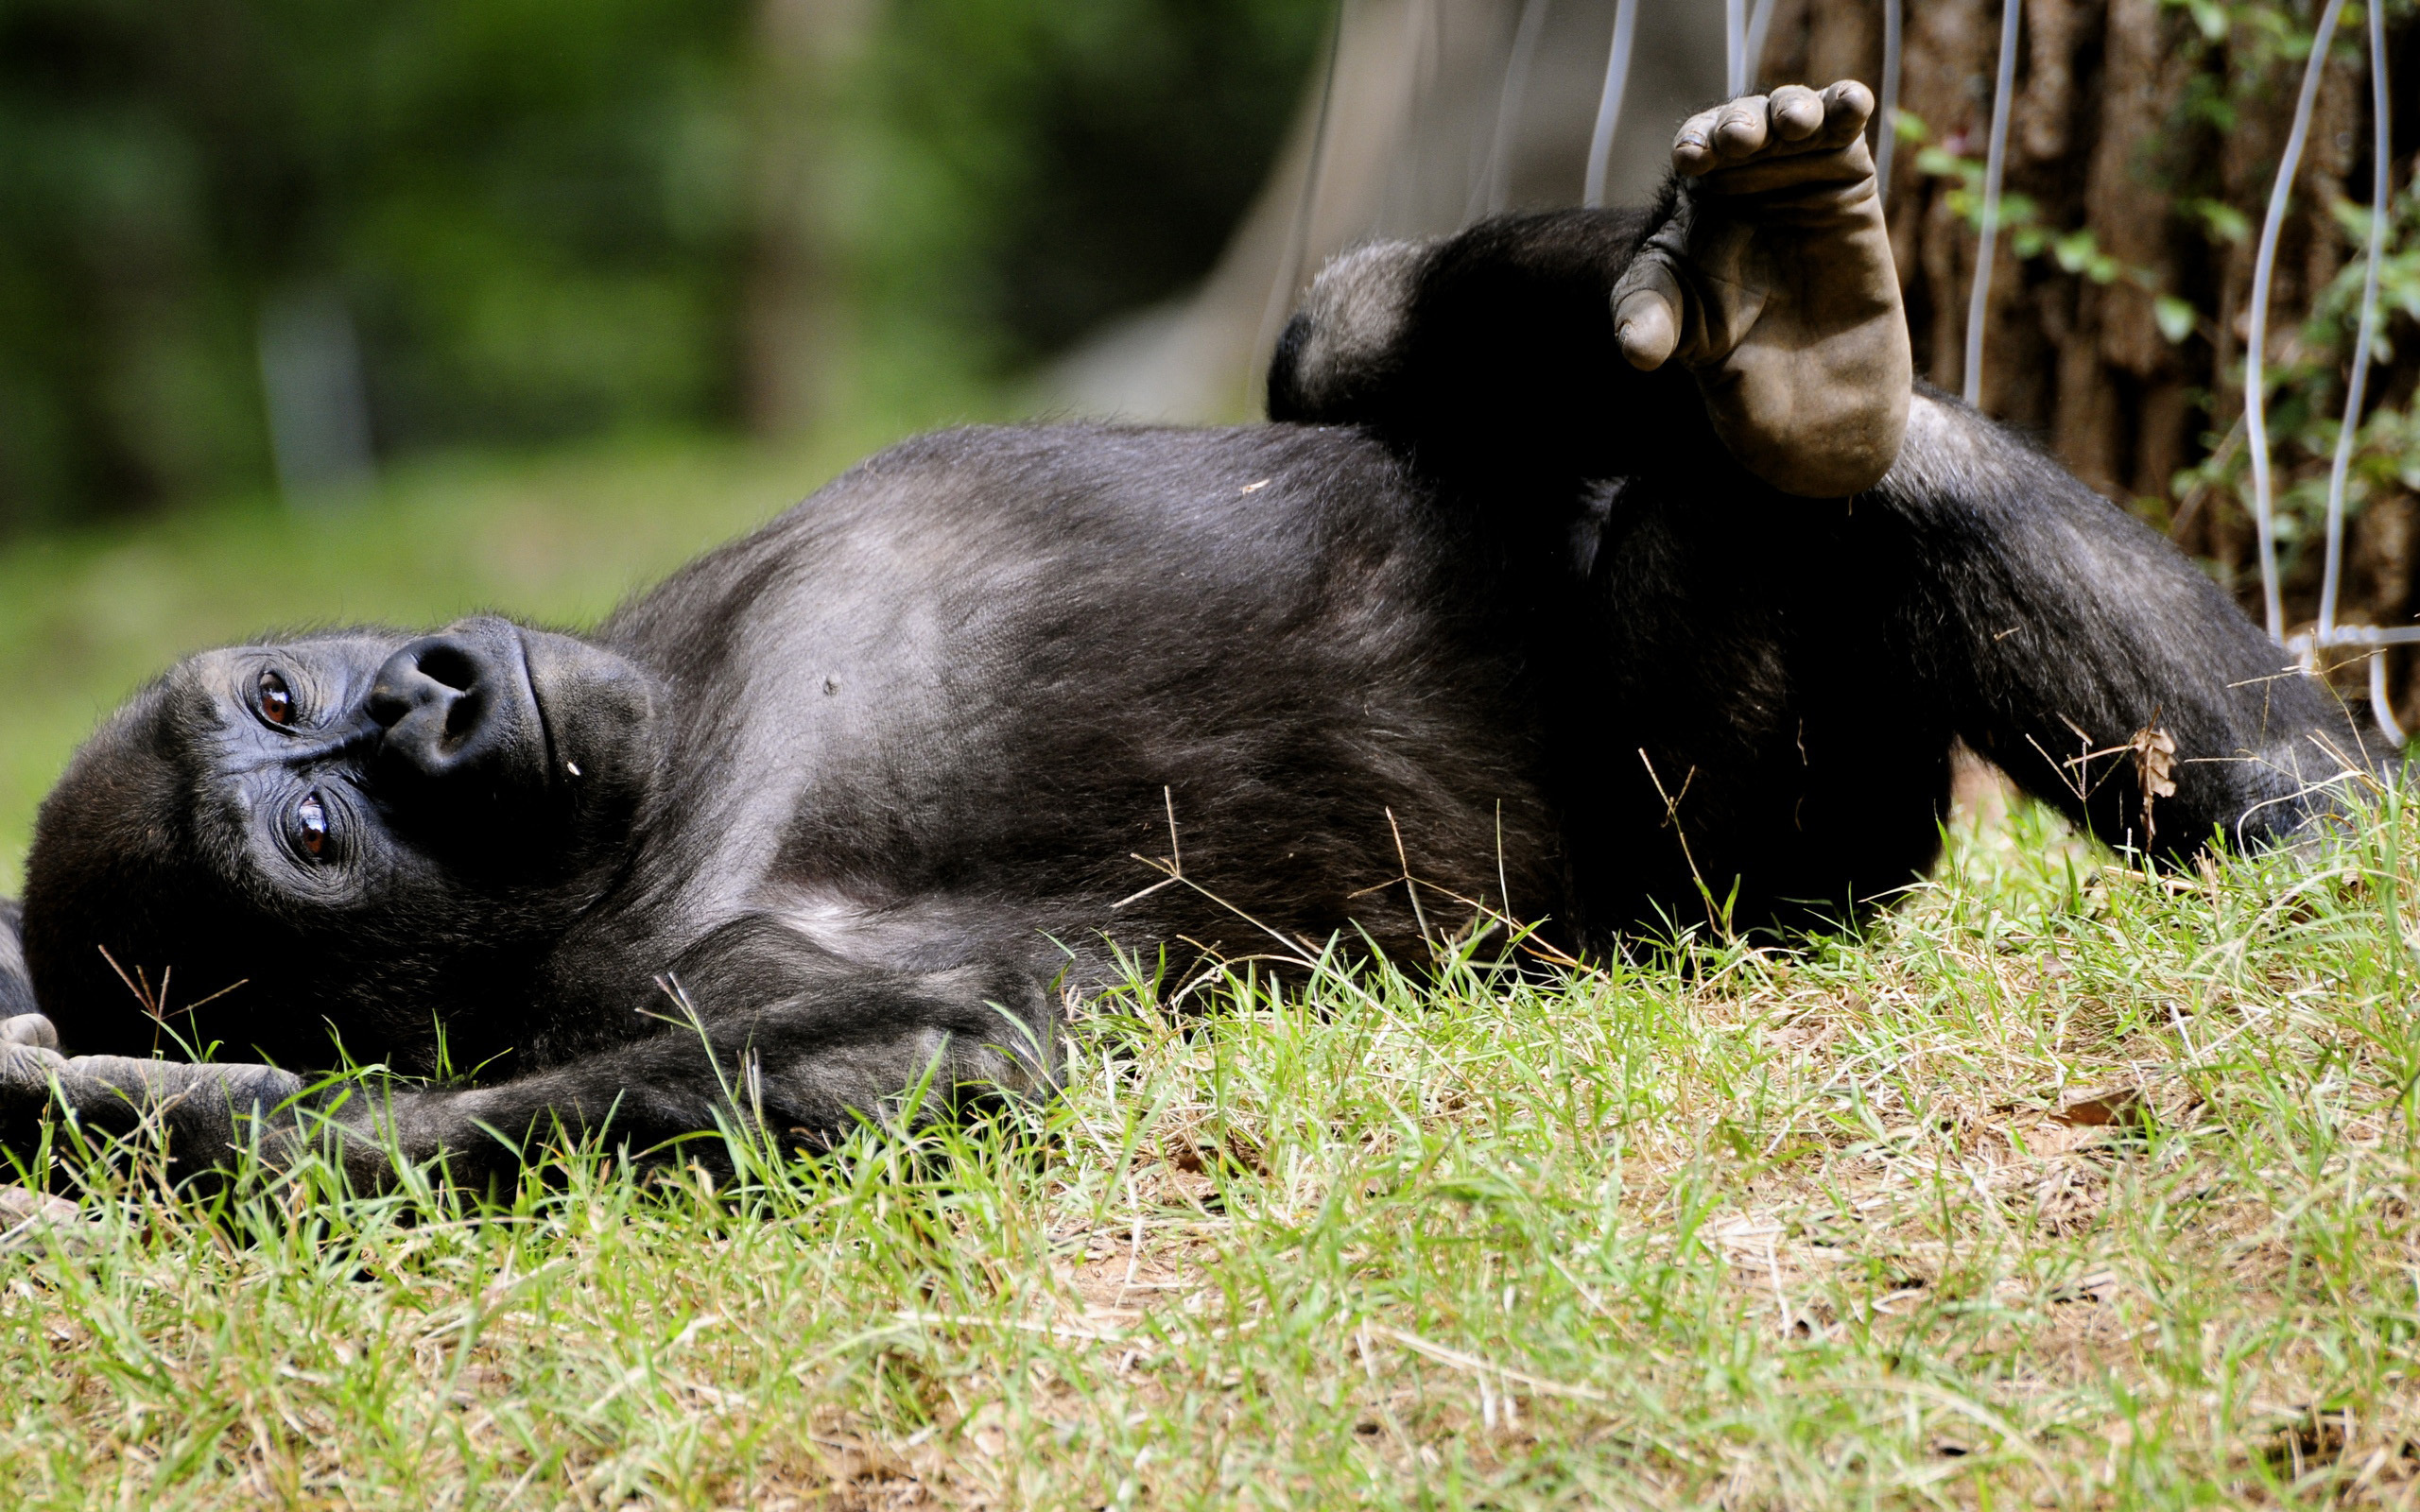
{"x": 984, "y": 667}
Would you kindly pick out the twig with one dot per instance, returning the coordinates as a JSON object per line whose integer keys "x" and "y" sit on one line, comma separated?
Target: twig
{"x": 1672, "y": 818}
{"x": 1483, "y": 1369}
{"x": 1411, "y": 888}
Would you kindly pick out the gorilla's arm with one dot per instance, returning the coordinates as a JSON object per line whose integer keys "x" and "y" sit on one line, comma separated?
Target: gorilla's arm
{"x": 2062, "y": 637}
{"x": 759, "y": 1030}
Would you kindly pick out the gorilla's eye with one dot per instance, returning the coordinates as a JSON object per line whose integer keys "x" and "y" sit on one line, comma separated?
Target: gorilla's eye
{"x": 277, "y": 700}
{"x": 311, "y": 825}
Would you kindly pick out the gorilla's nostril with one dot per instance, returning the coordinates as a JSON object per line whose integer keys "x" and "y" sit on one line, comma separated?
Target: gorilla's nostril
{"x": 450, "y": 665}
{"x": 387, "y": 708}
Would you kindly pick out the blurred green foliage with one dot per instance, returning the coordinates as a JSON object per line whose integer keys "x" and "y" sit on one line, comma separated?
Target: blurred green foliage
{"x": 529, "y": 207}
{"x": 537, "y": 213}
{"x": 1045, "y": 166}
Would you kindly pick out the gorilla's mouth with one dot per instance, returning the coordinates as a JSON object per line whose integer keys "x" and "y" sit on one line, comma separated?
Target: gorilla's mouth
{"x": 589, "y": 718}
{"x": 551, "y": 768}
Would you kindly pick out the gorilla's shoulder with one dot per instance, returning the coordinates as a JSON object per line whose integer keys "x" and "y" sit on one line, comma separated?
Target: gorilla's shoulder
{"x": 1079, "y": 489}
{"x": 1044, "y": 460}
{"x": 982, "y": 509}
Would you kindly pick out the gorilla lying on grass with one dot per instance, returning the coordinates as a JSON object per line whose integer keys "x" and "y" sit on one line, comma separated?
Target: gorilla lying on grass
{"x": 1601, "y": 569}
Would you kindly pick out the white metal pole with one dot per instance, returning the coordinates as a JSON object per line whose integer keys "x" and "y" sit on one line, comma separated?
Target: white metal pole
{"x": 2381, "y": 210}
{"x": 2256, "y": 354}
{"x": 1734, "y": 45}
{"x": 1609, "y": 104}
{"x": 1760, "y": 21}
{"x": 1496, "y": 189}
{"x": 1887, "y": 136}
{"x": 1996, "y": 162}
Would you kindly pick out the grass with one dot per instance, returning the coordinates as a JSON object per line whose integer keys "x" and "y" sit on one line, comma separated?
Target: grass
{"x": 2066, "y": 1187}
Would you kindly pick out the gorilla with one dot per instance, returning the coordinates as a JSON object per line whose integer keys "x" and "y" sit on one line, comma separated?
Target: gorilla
{"x": 1600, "y": 569}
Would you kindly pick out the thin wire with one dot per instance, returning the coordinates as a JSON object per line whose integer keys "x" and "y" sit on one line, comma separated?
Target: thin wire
{"x": 1760, "y": 21}
{"x": 1734, "y": 45}
{"x": 1426, "y": 59}
{"x": 2254, "y": 363}
{"x": 1609, "y": 104}
{"x": 1298, "y": 237}
{"x": 2361, "y": 635}
{"x": 1887, "y": 118}
{"x": 2381, "y": 207}
{"x": 1978, "y": 301}
{"x": 1496, "y": 189}
{"x": 2382, "y": 702}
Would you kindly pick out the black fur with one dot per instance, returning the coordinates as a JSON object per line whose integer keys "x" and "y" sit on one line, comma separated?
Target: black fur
{"x": 859, "y": 795}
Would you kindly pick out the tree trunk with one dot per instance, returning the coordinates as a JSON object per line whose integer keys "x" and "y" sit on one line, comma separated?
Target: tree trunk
{"x": 791, "y": 301}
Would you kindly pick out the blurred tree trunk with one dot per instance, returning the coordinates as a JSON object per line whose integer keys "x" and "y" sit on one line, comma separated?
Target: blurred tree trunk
{"x": 792, "y": 303}
{"x": 2146, "y": 149}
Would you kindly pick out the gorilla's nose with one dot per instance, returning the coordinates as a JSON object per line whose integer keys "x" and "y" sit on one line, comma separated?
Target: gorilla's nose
{"x": 455, "y": 709}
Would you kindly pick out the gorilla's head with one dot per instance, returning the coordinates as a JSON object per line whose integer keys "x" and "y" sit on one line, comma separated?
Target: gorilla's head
{"x": 359, "y": 832}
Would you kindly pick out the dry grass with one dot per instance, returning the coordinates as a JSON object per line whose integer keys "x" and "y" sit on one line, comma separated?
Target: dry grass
{"x": 2067, "y": 1187}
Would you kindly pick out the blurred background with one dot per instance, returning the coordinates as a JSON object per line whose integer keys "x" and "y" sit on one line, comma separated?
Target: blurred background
{"x": 396, "y": 309}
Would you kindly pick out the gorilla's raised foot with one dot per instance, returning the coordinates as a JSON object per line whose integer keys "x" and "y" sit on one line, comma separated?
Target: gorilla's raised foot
{"x": 1773, "y": 284}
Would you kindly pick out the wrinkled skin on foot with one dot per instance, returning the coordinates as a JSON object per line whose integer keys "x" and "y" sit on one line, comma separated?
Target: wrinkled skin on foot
{"x": 207, "y": 1111}
{"x": 1773, "y": 285}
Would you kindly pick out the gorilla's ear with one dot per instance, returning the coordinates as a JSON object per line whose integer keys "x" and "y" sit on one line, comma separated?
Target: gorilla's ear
{"x": 16, "y": 982}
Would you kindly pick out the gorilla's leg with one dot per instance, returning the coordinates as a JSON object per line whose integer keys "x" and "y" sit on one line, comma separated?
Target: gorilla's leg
{"x": 1553, "y": 344}
{"x": 1772, "y": 283}
{"x": 759, "y": 1031}
{"x": 2090, "y": 660}
{"x": 1762, "y": 693}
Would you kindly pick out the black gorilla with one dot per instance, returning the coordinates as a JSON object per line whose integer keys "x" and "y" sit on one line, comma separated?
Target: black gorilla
{"x": 858, "y": 796}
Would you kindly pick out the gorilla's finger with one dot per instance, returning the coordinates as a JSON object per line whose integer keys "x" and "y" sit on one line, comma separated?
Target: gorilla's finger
{"x": 29, "y": 1029}
{"x": 135, "y": 1078}
{"x": 28, "y": 1068}
{"x": 1741, "y": 128}
{"x": 1791, "y": 122}
{"x": 1847, "y": 106}
{"x": 1693, "y": 144}
{"x": 1797, "y": 112}
{"x": 1647, "y": 316}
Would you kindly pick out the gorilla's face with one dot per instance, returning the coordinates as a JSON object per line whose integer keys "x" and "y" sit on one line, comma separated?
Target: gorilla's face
{"x": 349, "y": 768}
{"x": 367, "y": 830}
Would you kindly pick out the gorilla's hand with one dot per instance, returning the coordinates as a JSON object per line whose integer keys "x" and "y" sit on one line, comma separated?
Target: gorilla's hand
{"x": 207, "y": 1111}
{"x": 1773, "y": 284}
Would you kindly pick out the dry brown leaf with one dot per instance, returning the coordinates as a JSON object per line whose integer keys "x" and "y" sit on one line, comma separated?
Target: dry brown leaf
{"x": 2154, "y": 751}
{"x": 2155, "y": 756}
{"x": 2123, "y": 1105}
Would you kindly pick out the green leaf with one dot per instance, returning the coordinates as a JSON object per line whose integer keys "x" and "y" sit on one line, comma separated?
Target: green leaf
{"x": 1942, "y": 164}
{"x": 2176, "y": 318}
{"x": 2076, "y": 250}
{"x": 2222, "y": 222}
